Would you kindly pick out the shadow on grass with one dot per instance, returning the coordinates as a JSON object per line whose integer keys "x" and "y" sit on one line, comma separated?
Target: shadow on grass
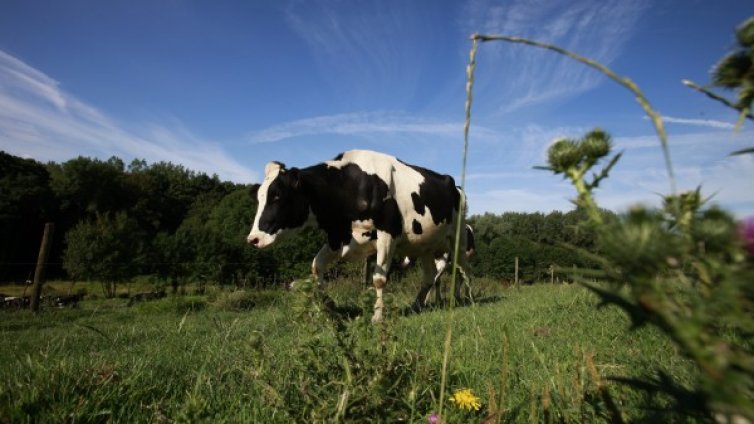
{"x": 445, "y": 305}
{"x": 351, "y": 311}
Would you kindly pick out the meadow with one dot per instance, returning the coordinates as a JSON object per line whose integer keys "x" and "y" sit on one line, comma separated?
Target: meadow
{"x": 539, "y": 353}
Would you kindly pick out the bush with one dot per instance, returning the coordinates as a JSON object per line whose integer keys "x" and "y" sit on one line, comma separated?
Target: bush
{"x": 186, "y": 304}
{"x": 239, "y": 300}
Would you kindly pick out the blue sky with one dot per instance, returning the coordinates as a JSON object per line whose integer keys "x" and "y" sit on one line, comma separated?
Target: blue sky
{"x": 226, "y": 86}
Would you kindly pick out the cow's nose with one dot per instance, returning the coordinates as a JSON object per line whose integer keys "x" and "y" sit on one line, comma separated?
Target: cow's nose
{"x": 254, "y": 241}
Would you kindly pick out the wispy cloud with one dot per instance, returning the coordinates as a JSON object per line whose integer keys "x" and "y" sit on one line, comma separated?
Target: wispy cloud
{"x": 364, "y": 124}
{"x": 366, "y": 50}
{"x": 719, "y": 143}
{"x": 40, "y": 120}
{"x": 712, "y": 123}
{"x": 595, "y": 28}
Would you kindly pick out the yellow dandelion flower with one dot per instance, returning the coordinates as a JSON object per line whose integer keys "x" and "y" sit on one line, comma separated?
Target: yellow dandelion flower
{"x": 465, "y": 399}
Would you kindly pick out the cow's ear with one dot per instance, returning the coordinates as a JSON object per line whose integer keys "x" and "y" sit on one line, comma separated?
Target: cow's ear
{"x": 295, "y": 177}
{"x": 253, "y": 190}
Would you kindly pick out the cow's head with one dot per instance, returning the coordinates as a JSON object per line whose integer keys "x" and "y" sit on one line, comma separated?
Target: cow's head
{"x": 281, "y": 204}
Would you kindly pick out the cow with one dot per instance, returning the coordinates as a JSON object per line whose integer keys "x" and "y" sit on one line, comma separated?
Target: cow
{"x": 367, "y": 203}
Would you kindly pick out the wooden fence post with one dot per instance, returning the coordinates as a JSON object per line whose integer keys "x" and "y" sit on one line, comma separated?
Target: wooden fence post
{"x": 516, "y": 279}
{"x": 552, "y": 274}
{"x": 39, "y": 271}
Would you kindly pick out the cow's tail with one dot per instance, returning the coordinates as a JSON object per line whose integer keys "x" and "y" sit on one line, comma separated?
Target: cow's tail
{"x": 470, "y": 243}
{"x": 462, "y": 198}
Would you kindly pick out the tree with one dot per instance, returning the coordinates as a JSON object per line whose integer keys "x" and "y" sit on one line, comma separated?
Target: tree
{"x": 26, "y": 204}
{"x": 105, "y": 249}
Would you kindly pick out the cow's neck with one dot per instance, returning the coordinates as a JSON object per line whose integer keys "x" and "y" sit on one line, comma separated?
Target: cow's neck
{"x": 318, "y": 191}
{"x": 329, "y": 202}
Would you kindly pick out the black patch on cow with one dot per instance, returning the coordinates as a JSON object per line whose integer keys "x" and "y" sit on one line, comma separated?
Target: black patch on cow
{"x": 339, "y": 157}
{"x": 438, "y": 193}
{"x": 339, "y": 196}
{"x": 418, "y": 203}
{"x": 416, "y": 227}
{"x": 371, "y": 234}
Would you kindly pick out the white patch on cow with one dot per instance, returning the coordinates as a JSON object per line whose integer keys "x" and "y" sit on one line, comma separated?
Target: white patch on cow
{"x": 263, "y": 239}
{"x": 389, "y": 169}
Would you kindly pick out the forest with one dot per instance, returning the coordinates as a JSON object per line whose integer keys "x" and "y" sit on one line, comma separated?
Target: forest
{"x": 115, "y": 222}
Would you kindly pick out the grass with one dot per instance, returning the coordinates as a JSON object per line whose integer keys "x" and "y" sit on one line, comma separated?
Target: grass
{"x": 526, "y": 352}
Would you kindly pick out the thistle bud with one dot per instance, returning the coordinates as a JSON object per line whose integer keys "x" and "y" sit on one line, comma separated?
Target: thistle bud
{"x": 563, "y": 155}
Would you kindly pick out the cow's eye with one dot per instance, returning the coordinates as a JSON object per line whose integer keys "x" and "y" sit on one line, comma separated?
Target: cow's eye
{"x": 275, "y": 198}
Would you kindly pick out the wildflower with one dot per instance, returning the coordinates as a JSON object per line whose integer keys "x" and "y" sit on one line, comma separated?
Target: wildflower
{"x": 465, "y": 399}
{"x": 434, "y": 419}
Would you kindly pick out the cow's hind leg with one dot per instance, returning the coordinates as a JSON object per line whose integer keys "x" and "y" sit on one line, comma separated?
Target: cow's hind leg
{"x": 463, "y": 290}
{"x": 429, "y": 275}
{"x": 385, "y": 247}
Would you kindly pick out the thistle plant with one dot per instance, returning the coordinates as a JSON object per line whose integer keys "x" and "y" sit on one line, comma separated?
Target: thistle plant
{"x": 681, "y": 268}
{"x": 575, "y": 158}
{"x": 735, "y": 72}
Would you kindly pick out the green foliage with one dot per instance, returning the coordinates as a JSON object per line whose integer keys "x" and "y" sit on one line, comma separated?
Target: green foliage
{"x": 105, "y": 249}
{"x": 680, "y": 269}
{"x": 188, "y": 358}
{"x": 686, "y": 273}
{"x": 239, "y": 300}
{"x": 736, "y": 70}
{"x": 26, "y": 203}
{"x": 539, "y": 241}
{"x": 190, "y": 227}
{"x": 87, "y": 186}
{"x": 349, "y": 371}
{"x": 574, "y": 158}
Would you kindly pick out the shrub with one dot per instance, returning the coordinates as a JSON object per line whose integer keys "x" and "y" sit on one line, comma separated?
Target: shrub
{"x": 245, "y": 299}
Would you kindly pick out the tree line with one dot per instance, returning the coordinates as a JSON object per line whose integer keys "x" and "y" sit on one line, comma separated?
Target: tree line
{"x": 116, "y": 221}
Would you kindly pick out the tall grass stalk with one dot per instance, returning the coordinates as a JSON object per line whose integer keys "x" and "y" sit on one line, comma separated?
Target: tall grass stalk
{"x": 461, "y": 212}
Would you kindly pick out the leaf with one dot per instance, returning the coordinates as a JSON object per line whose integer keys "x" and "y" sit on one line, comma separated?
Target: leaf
{"x": 609, "y": 297}
{"x": 94, "y": 329}
{"x": 743, "y": 151}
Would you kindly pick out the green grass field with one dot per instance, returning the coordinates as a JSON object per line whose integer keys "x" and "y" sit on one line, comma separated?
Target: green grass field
{"x": 531, "y": 354}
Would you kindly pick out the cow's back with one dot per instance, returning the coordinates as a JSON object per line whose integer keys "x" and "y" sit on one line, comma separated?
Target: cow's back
{"x": 427, "y": 202}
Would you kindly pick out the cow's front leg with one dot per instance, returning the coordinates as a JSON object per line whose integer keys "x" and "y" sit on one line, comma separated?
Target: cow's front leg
{"x": 322, "y": 262}
{"x": 385, "y": 247}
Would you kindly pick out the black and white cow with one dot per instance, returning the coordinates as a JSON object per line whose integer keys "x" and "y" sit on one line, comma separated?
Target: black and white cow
{"x": 367, "y": 203}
